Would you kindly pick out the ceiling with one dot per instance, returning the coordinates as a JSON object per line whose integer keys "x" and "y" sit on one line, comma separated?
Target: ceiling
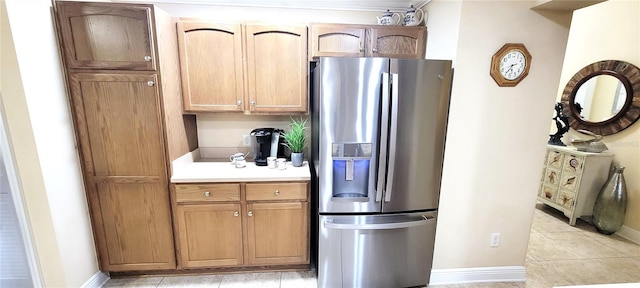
{"x": 349, "y": 5}
{"x": 563, "y": 5}
{"x": 361, "y": 5}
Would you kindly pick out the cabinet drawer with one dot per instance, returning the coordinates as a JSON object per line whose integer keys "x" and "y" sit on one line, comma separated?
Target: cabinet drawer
{"x": 566, "y": 199}
{"x": 276, "y": 191}
{"x": 207, "y": 192}
{"x": 552, "y": 177}
{"x": 573, "y": 163}
{"x": 549, "y": 193}
{"x": 570, "y": 181}
{"x": 555, "y": 159}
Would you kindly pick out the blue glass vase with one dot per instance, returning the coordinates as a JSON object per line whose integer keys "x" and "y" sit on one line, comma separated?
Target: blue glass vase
{"x": 611, "y": 204}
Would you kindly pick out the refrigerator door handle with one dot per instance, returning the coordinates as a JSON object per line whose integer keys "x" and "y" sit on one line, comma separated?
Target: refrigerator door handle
{"x": 396, "y": 225}
{"x": 384, "y": 134}
{"x": 393, "y": 133}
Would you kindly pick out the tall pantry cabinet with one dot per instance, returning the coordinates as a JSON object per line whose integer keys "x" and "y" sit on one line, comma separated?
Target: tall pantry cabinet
{"x": 123, "y": 77}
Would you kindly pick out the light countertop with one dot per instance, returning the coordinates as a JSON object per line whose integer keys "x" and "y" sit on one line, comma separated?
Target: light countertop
{"x": 190, "y": 168}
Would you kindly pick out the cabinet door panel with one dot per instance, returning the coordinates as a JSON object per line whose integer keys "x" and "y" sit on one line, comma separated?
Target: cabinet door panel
{"x": 119, "y": 131}
{"x": 277, "y": 233}
{"x": 398, "y": 42}
{"x": 337, "y": 40}
{"x": 210, "y": 235}
{"x": 211, "y": 66}
{"x": 107, "y": 36}
{"x": 277, "y": 68}
{"x": 119, "y": 122}
{"x": 136, "y": 226}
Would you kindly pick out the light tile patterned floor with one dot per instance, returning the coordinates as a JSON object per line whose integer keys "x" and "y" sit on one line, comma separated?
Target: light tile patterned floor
{"x": 257, "y": 280}
{"x": 558, "y": 255}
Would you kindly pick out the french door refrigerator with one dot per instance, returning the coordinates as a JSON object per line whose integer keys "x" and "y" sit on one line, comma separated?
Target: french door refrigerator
{"x": 379, "y": 130}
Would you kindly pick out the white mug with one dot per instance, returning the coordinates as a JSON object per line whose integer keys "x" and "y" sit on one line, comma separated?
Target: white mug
{"x": 235, "y": 157}
{"x": 271, "y": 162}
{"x": 281, "y": 163}
{"x": 241, "y": 163}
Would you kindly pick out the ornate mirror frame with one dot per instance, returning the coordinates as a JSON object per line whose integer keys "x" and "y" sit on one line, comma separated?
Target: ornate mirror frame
{"x": 628, "y": 74}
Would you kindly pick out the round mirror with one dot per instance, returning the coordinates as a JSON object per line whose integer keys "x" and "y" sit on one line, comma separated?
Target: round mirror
{"x": 600, "y": 98}
{"x": 603, "y": 97}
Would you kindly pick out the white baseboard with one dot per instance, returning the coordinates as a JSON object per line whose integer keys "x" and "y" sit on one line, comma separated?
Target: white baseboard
{"x": 476, "y": 275}
{"x": 97, "y": 280}
{"x": 629, "y": 234}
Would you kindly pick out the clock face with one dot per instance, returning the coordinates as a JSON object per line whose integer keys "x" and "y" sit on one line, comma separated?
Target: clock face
{"x": 512, "y": 64}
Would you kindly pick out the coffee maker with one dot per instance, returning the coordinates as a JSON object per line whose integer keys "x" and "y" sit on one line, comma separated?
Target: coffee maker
{"x": 267, "y": 142}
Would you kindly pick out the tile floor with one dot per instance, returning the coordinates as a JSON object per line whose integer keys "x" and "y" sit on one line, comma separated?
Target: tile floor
{"x": 558, "y": 255}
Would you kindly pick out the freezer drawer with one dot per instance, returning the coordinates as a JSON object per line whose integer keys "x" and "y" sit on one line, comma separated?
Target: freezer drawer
{"x": 376, "y": 250}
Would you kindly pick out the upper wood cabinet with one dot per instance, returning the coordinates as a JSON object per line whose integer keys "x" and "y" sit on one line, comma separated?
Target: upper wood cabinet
{"x": 277, "y": 68}
{"x": 346, "y": 40}
{"x": 337, "y": 40}
{"x": 107, "y": 35}
{"x": 211, "y": 65}
{"x": 237, "y": 67}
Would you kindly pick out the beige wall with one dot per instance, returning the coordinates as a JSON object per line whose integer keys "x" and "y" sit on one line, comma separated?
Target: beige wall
{"x": 40, "y": 132}
{"x": 609, "y": 30}
{"x": 497, "y": 135}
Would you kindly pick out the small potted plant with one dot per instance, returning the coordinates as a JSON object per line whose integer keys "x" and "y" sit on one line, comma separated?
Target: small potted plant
{"x": 295, "y": 140}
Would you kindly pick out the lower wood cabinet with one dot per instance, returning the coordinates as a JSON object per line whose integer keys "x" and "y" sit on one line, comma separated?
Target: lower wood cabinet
{"x": 277, "y": 233}
{"x": 242, "y": 224}
{"x": 210, "y": 235}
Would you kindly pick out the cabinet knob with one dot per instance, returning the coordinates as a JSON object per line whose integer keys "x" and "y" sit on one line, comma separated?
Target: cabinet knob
{"x": 250, "y": 213}
{"x": 207, "y": 194}
{"x": 361, "y": 46}
{"x": 239, "y": 102}
{"x": 236, "y": 214}
{"x": 375, "y": 50}
{"x": 277, "y": 192}
{"x": 147, "y": 58}
{"x": 150, "y": 83}
{"x": 253, "y": 103}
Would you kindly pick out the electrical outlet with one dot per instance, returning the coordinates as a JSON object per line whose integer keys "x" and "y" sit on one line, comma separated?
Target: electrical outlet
{"x": 246, "y": 140}
{"x": 495, "y": 239}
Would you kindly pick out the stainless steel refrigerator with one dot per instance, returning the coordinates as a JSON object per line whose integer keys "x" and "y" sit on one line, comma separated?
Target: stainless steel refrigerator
{"x": 379, "y": 131}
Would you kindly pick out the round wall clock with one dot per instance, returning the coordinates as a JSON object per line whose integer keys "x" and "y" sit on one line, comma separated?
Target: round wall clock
{"x": 510, "y": 64}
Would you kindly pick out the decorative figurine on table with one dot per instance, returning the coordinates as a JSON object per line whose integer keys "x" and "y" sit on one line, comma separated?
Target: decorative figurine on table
{"x": 562, "y": 125}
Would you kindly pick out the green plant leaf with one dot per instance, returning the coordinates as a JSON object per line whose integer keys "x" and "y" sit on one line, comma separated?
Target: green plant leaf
{"x": 295, "y": 138}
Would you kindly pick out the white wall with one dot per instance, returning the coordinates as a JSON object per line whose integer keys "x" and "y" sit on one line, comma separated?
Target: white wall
{"x": 42, "y": 135}
{"x": 609, "y": 31}
{"x": 443, "y": 26}
{"x": 496, "y": 135}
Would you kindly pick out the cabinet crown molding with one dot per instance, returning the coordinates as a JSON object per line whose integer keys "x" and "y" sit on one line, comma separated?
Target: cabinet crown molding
{"x": 347, "y": 5}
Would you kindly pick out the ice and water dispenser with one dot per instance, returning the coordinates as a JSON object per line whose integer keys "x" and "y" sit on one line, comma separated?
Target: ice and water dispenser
{"x": 351, "y": 169}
